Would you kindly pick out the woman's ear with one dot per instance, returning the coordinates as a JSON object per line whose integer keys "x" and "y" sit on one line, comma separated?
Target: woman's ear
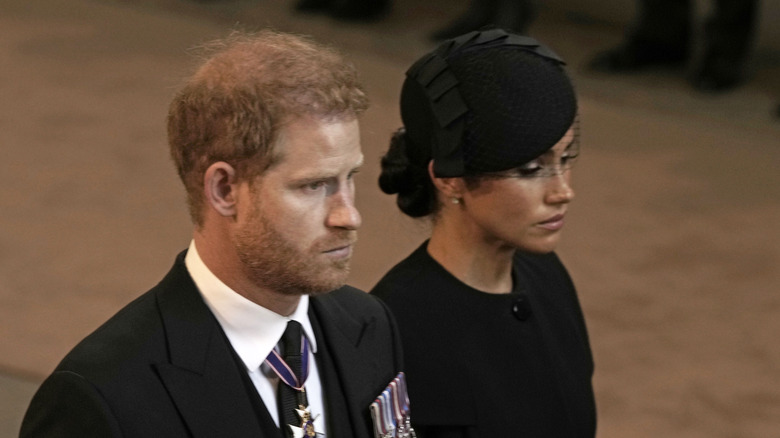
{"x": 220, "y": 188}
{"x": 450, "y": 188}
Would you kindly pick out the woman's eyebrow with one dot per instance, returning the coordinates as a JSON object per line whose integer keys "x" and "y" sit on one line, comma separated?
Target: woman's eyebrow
{"x": 551, "y": 153}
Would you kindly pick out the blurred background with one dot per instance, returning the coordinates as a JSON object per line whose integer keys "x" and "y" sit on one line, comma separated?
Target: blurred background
{"x": 672, "y": 240}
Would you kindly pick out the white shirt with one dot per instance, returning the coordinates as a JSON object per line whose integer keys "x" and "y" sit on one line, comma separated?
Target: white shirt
{"x": 254, "y": 331}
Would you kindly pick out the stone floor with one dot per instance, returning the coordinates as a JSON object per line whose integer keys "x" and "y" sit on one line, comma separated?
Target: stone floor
{"x": 672, "y": 241}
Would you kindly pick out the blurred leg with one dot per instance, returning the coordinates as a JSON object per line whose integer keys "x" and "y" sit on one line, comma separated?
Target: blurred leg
{"x": 728, "y": 35}
{"x": 660, "y": 35}
{"x": 515, "y": 15}
{"x": 663, "y": 23}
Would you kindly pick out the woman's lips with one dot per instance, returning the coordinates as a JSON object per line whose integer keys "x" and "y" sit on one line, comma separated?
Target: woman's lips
{"x": 555, "y": 223}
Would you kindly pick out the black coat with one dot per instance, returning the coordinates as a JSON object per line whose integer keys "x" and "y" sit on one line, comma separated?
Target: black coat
{"x": 482, "y": 365}
{"x": 163, "y": 367}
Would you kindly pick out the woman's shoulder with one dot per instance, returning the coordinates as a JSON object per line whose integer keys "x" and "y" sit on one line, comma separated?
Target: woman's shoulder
{"x": 543, "y": 272}
{"x": 417, "y": 277}
{"x": 403, "y": 274}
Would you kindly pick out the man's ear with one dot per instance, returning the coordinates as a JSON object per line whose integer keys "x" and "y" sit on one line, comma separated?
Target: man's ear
{"x": 220, "y": 188}
{"x": 450, "y": 188}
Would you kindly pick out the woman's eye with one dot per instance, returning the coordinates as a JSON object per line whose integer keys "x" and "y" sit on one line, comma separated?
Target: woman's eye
{"x": 529, "y": 169}
{"x": 569, "y": 158}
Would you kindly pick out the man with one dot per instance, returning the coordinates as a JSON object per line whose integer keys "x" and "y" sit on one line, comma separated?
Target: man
{"x": 266, "y": 140}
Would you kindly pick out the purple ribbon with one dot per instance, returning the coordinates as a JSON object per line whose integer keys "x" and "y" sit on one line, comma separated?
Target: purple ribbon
{"x": 280, "y": 367}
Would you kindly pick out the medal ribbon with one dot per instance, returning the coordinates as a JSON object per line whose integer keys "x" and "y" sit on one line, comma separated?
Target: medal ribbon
{"x": 402, "y": 388}
{"x": 390, "y": 411}
{"x": 280, "y": 367}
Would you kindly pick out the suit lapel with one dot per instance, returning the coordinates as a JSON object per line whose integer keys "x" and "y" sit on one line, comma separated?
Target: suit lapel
{"x": 202, "y": 376}
{"x": 353, "y": 368}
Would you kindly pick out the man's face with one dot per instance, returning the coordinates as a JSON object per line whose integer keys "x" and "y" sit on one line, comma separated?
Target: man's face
{"x": 297, "y": 222}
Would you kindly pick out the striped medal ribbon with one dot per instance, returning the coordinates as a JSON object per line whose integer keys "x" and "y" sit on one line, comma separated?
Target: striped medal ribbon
{"x": 280, "y": 367}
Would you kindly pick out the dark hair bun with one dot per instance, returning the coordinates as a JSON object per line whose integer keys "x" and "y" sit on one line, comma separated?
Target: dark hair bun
{"x": 416, "y": 194}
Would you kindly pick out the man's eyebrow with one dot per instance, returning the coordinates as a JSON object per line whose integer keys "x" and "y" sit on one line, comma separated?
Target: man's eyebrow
{"x": 306, "y": 179}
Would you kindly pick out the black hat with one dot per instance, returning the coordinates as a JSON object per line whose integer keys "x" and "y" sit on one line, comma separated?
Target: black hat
{"x": 487, "y": 101}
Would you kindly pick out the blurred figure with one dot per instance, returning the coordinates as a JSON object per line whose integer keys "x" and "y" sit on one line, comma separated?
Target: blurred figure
{"x": 662, "y": 34}
{"x": 346, "y": 9}
{"x": 515, "y": 15}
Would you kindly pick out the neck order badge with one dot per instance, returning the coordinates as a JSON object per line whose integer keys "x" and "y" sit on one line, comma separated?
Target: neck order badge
{"x": 307, "y": 424}
{"x": 293, "y": 370}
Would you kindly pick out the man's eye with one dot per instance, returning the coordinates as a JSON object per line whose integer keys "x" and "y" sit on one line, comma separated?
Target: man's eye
{"x": 315, "y": 185}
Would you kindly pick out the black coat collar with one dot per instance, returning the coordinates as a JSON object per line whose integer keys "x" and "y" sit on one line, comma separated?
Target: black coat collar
{"x": 205, "y": 384}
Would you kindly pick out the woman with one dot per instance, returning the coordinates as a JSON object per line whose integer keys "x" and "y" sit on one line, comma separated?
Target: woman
{"x": 494, "y": 339}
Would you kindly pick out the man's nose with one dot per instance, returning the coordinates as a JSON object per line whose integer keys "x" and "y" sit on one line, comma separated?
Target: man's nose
{"x": 343, "y": 213}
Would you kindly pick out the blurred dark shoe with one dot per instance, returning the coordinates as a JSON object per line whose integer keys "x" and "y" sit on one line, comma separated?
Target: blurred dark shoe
{"x": 634, "y": 56}
{"x": 312, "y": 6}
{"x": 717, "y": 74}
{"x": 360, "y": 10}
{"x": 470, "y": 21}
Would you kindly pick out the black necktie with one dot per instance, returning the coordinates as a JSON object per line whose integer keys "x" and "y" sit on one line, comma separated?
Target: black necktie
{"x": 291, "y": 399}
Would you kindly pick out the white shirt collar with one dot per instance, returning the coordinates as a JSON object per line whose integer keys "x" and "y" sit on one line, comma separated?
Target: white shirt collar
{"x": 253, "y": 330}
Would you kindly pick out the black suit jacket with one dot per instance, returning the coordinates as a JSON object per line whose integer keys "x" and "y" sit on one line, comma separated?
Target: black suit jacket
{"x": 162, "y": 367}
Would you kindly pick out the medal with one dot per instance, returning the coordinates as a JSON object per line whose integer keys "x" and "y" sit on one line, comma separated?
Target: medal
{"x": 390, "y": 411}
{"x": 289, "y": 378}
{"x": 307, "y": 423}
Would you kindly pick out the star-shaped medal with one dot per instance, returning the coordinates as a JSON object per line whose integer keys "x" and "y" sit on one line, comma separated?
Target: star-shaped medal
{"x": 306, "y": 428}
